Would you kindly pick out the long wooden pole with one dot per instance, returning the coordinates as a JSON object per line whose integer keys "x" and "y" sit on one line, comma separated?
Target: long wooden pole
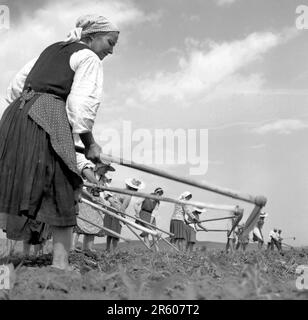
{"x": 213, "y": 230}
{"x": 137, "y": 235}
{"x": 115, "y": 234}
{"x": 137, "y": 219}
{"x": 215, "y": 219}
{"x": 135, "y": 225}
{"x": 169, "y": 244}
{"x": 259, "y": 200}
{"x": 229, "y": 208}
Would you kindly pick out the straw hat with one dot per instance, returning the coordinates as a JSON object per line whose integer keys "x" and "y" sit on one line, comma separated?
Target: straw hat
{"x": 185, "y": 195}
{"x": 108, "y": 193}
{"x": 135, "y": 183}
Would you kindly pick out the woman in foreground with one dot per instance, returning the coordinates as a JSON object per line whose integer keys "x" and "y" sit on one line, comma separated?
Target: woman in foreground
{"x": 52, "y": 98}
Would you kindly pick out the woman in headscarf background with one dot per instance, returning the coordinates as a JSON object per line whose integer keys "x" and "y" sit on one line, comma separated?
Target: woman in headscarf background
{"x": 257, "y": 235}
{"x": 177, "y": 223}
{"x": 51, "y": 98}
{"x": 191, "y": 231}
{"x": 120, "y": 203}
{"x": 147, "y": 210}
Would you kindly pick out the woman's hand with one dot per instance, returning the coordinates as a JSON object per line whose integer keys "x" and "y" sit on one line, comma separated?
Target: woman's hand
{"x": 93, "y": 152}
{"x": 92, "y": 149}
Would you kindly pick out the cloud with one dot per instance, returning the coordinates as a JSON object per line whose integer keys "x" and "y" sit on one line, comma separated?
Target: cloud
{"x": 202, "y": 71}
{"x": 283, "y": 126}
{"x": 222, "y": 3}
{"x": 51, "y": 21}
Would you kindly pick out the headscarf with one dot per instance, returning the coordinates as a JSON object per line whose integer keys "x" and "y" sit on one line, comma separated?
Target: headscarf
{"x": 90, "y": 23}
{"x": 185, "y": 195}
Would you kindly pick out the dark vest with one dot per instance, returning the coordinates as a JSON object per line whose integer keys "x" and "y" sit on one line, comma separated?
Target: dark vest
{"x": 149, "y": 205}
{"x": 52, "y": 72}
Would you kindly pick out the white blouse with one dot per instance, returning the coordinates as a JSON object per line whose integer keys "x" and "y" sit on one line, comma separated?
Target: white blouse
{"x": 86, "y": 91}
{"x": 83, "y": 163}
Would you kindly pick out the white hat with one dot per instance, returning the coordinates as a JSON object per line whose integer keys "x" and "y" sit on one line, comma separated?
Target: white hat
{"x": 263, "y": 214}
{"x": 108, "y": 193}
{"x": 185, "y": 195}
{"x": 135, "y": 183}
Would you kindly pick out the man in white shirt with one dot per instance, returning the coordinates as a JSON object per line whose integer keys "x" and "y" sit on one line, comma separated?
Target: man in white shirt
{"x": 272, "y": 239}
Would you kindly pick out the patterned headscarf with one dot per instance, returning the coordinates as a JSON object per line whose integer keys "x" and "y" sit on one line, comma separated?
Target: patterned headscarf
{"x": 89, "y": 24}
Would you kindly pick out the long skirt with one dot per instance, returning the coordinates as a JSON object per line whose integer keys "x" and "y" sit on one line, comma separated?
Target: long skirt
{"x": 34, "y": 180}
{"x": 177, "y": 227}
{"x": 190, "y": 234}
{"x": 113, "y": 224}
{"x": 92, "y": 215}
{"x": 145, "y": 216}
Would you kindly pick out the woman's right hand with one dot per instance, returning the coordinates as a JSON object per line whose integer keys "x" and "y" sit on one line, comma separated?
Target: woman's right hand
{"x": 93, "y": 152}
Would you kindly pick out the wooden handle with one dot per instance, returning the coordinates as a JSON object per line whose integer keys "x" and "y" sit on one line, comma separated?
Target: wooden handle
{"x": 135, "y": 225}
{"x": 137, "y": 219}
{"x": 228, "y": 208}
{"x": 115, "y": 234}
{"x": 259, "y": 200}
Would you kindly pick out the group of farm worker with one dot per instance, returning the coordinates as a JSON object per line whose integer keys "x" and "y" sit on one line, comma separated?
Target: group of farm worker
{"x": 237, "y": 240}
{"x": 183, "y": 220}
{"x": 182, "y": 225}
{"x": 92, "y": 223}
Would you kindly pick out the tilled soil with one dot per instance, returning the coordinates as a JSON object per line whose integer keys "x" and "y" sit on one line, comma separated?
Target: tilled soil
{"x": 138, "y": 274}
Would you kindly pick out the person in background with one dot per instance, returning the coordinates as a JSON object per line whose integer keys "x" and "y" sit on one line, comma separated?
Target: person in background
{"x": 273, "y": 240}
{"x": 147, "y": 210}
{"x": 191, "y": 230}
{"x": 257, "y": 235}
{"x": 242, "y": 240}
{"x": 177, "y": 224}
{"x": 231, "y": 236}
{"x": 54, "y": 98}
{"x": 279, "y": 239}
{"x": 119, "y": 202}
{"x": 93, "y": 174}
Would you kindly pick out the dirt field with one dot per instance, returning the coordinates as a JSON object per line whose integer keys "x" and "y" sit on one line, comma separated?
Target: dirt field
{"x": 134, "y": 273}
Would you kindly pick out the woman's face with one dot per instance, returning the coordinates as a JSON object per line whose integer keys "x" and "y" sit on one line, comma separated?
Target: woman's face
{"x": 103, "y": 43}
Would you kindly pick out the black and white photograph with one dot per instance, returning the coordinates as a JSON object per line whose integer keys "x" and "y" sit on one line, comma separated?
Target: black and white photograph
{"x": 155, "y": 151}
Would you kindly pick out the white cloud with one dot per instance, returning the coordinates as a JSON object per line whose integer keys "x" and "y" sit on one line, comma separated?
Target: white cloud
{"x": 51, "y": 23}
{"x": 203, "y": 71}
{"x": 222, "y": 3}
{"x": 283, "y": 126}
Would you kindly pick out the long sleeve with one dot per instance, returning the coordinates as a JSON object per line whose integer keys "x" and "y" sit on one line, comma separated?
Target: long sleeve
{"x": 17, "y": 84}
{"x": 83, "y": 163}
{"x": 137, "y": 206}
{"x": 155, "y": 212}
{"x": 86, "y": 92}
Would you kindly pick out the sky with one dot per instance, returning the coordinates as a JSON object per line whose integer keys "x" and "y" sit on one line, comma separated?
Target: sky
{"x": 236, "y": 68}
